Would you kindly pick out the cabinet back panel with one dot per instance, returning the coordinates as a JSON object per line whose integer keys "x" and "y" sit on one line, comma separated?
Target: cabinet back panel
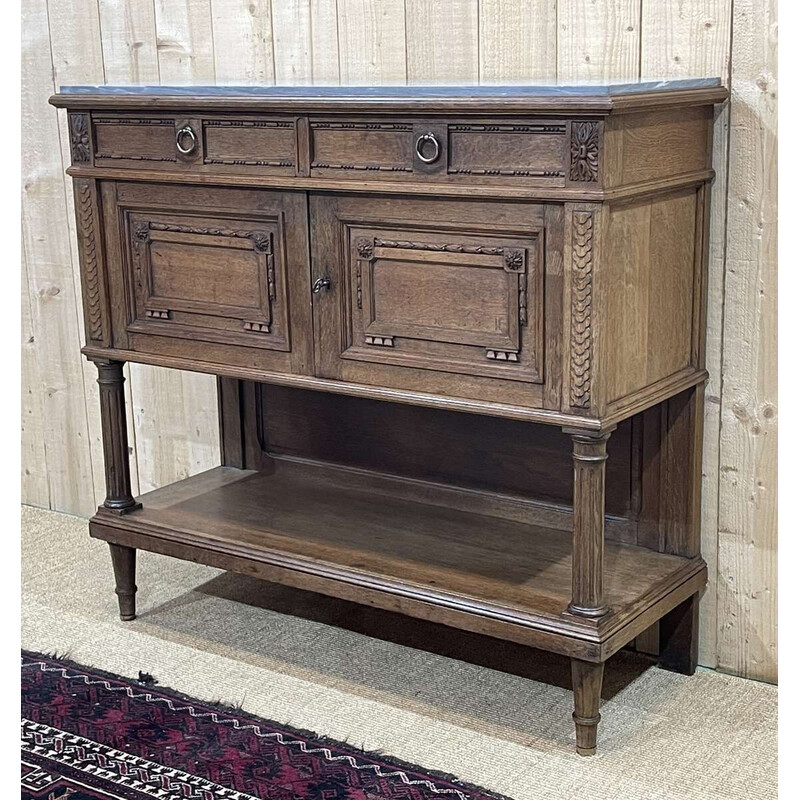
{"x": 465, "y": 450}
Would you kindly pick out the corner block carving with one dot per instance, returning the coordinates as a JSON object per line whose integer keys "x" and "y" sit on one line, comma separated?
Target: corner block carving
{"x": 90, "y": 262}
{"x": 79, "y": 138}
{"x": 584, "y": 151}
{"x": 580, "y": 355}
{"x": 365, "y": 248}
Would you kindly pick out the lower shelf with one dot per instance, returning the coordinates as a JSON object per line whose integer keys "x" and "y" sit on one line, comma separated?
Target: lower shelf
{"x": 340, "y": 532}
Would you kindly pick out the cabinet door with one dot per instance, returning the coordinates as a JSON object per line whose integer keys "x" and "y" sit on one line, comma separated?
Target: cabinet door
{"x": 431, "y": 295}
{"x": 215, "y": 275}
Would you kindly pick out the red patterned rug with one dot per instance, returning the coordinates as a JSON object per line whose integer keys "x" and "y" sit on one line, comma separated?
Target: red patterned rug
{"x": 87, "y": 735}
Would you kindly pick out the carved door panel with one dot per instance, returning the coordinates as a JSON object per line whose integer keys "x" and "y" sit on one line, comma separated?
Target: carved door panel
{"x": 438, "y": 296}
{"x": 215, "y": 274}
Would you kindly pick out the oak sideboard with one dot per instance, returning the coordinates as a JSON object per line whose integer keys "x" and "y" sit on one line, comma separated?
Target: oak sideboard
{"x": 459, "y": 340}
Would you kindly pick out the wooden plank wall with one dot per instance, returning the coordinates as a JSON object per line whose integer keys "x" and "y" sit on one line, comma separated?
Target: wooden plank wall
{"x": 173, "y": 416}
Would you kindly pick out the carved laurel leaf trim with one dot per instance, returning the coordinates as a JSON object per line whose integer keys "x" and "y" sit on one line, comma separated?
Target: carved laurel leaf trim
{"x": 580, "y": 359}
{"x": 79, "y": 138}
{"x": 91, "y": 268}
{"x": 442, "y": 248}
{"x": 584, "y": 151}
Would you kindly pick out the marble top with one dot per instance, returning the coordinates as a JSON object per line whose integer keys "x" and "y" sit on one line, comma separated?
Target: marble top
{"x": 437, "y": 92}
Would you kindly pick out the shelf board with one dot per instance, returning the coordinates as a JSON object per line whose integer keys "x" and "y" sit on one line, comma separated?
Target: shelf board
{"x": 339, "y": 532}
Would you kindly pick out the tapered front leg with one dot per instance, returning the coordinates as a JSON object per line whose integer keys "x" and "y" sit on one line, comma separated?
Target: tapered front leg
{"x": 588, "y": 524}
{"x": 124, "y": 562}
{"x": 587, "y": 682}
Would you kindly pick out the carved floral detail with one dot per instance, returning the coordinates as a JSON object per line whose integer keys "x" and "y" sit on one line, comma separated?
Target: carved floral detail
{"x": 142, "y": 231}
{"x": 364, "y": 248}
{"x": 584, "y": 151}
{"x": 79, "y": 138}
{"x": 580, "y": 357}
{"x": 515, "y": 260}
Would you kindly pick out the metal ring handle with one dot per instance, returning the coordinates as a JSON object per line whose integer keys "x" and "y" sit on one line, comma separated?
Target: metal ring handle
{"x": 186, "y": 130}
{"x": 421, "y": 140}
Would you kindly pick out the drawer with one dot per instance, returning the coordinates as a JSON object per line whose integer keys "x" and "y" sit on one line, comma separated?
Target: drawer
{"x": 530, "y": 152}
{"x": 233, "y": 144}
{"x": 238, "y": 144}
{"x": 143, "y": 142}
{"x": 431, "y": 295}
{"x": 212, "y": 274}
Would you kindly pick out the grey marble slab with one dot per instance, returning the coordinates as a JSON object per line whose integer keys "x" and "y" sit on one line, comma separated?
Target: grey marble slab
{"x": 367, "y": 92}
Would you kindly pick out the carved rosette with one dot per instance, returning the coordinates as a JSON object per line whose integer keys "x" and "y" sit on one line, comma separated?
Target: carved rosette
{"x": 79, "y": 142}
{"x": 580, "y": 356}
{"x": 90, "y": 266}
{"x": 584, "y": 151}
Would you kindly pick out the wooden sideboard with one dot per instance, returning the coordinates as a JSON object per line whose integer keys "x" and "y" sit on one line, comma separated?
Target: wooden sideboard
{"x": 459, "y": 341}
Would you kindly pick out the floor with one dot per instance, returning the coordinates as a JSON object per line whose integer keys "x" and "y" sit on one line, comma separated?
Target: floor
{"x": 495, "y": 714}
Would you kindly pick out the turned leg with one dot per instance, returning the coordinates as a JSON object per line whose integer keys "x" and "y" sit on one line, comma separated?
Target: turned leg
{"x": 678, "y": 637}
{"x": 124, "y": 562}
{"x": 588, "y": 524}
{"x": 587, "y": 681}
{"x": 115, "y": 437}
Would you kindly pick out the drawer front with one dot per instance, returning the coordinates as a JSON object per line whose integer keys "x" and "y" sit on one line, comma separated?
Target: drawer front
{"x": 230, "y": 144}
{"x": 212, "y": 274}
{"x": 140, "y": 142}
{"x": 269, "y": 145}
{"x": 528, "y": 152}
{"x": 431, "y": 295}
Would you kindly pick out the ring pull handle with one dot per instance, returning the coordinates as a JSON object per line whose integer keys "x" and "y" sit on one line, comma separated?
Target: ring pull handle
{"x": 320, "y": 284}
{"x": 184, "y": 133}
{"x": 427, "y": 139}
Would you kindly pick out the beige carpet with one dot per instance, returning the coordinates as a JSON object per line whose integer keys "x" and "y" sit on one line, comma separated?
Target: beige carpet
{"x": 276, "y": 652}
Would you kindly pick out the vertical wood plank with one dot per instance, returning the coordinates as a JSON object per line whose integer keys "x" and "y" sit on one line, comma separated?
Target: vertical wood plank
{"x": 175, "y": 413}
{"x": 324, "y": 42}
{"x": 33, "y": 458}
{"x": 747, "y": 611}
{"x": 128, "y": 36}
{"x": 442, "y": 41}
{"x": 372, "y": 42}
{"x": 291, "y": 24}
{"x": 682, "y": 40}
{"x": 243, "y": 46}
{"x": 51, "y": 286}
{"x": 598, "y": 40}
{"x": 185, "y": 42}
{"x": 306, "y": 34}
{"x": 518, "y": 41}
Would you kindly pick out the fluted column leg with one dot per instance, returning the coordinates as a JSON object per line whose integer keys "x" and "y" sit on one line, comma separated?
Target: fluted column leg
{"x": 115, "y": 437}
{"x": 588, "y": 525}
